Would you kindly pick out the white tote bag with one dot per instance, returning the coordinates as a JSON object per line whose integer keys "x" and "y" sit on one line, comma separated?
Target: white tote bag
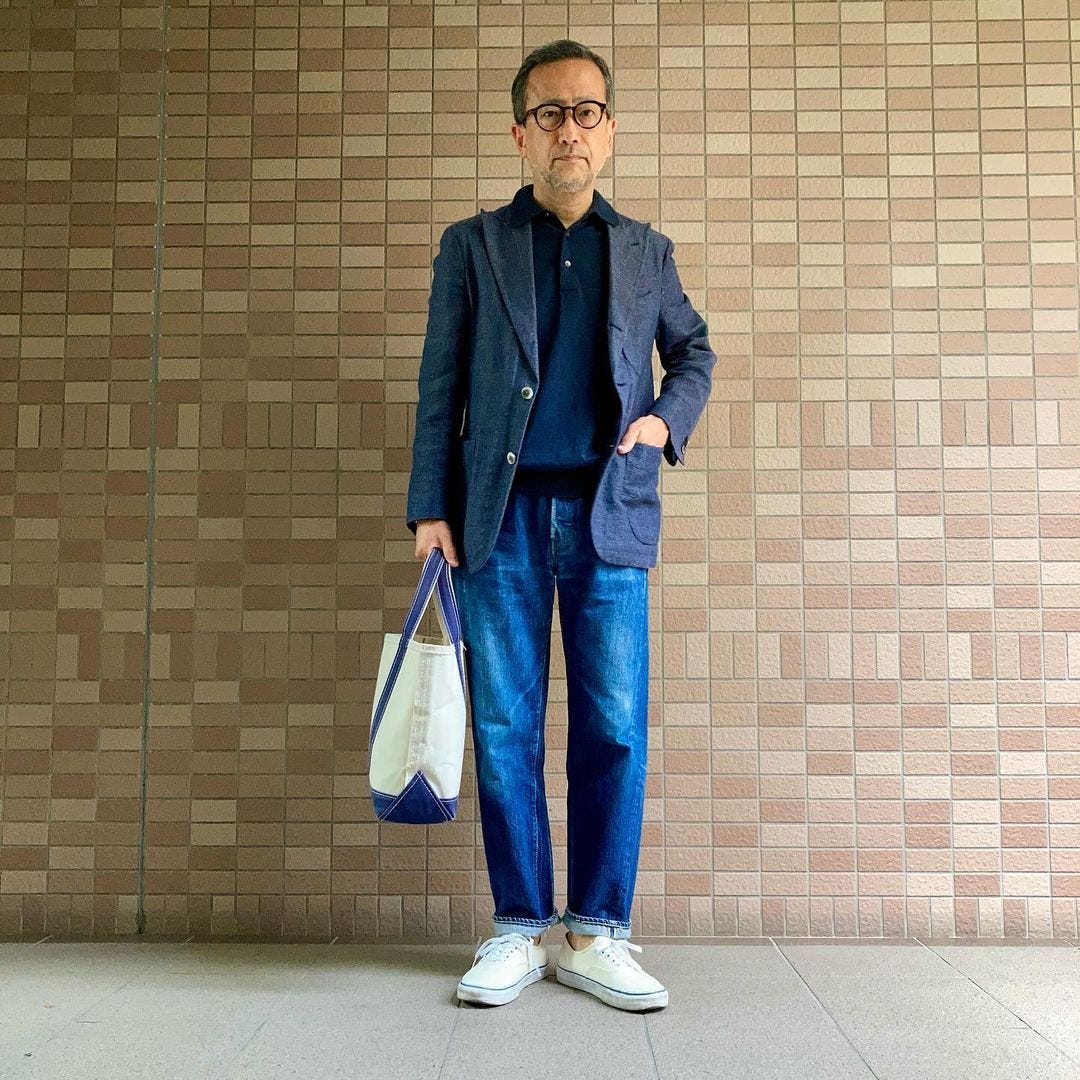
{"x": 417, "y": 737}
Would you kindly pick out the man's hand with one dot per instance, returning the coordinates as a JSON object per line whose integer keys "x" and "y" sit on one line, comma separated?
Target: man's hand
{"x": 435, "y": 533}
{"x": 651, "y": 430}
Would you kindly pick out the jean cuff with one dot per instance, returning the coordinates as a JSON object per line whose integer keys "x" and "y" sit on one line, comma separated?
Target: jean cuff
{"x": 595, "y": 927}
{"x": 528, "y": 927}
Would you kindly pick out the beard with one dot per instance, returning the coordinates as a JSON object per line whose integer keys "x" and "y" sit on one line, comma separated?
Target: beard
{"x": 567, "y": 177}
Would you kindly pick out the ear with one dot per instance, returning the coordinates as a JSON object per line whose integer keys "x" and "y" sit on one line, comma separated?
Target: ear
{"x": 517, "y": 133}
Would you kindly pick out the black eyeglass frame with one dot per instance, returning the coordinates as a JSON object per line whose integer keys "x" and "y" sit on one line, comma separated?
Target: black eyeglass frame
{"x": 565, "y": 109}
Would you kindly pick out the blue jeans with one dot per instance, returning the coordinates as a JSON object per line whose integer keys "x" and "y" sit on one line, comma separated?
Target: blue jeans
{"x": 506, "y": 612}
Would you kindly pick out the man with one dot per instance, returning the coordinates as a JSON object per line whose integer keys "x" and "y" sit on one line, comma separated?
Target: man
{"x": 536, "y": 457}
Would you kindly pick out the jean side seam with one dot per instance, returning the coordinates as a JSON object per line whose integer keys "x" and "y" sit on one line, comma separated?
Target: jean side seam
{"x": 631, "y": 854}
{"x": 536, "y": 777}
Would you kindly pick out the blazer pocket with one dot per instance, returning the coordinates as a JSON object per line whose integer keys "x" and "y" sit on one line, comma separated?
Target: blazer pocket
{"x": 646, "y": 303}
{"x": 645, "y": 315}
{"x": 639, "y": 489}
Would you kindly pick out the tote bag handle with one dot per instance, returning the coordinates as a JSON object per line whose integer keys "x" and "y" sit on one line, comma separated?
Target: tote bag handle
{"x": 435, "y": 577}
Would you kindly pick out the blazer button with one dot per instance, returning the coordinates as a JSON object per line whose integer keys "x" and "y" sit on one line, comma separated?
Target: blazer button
{"x": 526, "y": 392}
{"x": 511, "y": 457}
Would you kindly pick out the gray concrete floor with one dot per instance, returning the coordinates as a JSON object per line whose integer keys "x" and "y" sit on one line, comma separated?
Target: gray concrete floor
{"x": 752, "y": 1009}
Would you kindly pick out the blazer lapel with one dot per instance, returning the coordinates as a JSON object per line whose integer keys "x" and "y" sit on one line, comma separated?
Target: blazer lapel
{"x": 509, "y": 248}
{"x": 624, "y": 265}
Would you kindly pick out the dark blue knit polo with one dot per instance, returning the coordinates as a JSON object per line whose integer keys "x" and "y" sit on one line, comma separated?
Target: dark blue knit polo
{"x": 571, "y": 425}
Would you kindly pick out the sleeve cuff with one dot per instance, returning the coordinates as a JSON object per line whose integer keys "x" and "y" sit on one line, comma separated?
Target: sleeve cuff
{"x": 675, "y": 447}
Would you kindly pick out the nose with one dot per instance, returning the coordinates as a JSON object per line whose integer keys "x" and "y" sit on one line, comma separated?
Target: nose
{"x": 569, "y": 142}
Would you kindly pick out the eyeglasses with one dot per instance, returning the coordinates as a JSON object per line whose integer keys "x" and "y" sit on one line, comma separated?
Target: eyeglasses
{"x": 551, "y": 117}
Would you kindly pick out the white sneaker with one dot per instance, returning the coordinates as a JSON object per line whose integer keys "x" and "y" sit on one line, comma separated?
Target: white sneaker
{"x": 503, "y": 966}
{"x": 606, "y": 970}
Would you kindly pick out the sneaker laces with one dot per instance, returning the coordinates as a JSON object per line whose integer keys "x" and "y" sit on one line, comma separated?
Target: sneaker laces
{"x": 501, "y": 945}
{"x": 618, "y": 950}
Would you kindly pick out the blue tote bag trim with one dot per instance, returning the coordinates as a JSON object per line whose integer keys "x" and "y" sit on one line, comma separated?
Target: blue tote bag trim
{"x": 416, "y": 805}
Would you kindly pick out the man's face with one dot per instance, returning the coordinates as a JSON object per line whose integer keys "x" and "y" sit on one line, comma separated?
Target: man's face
{"x": 568, "y": 159}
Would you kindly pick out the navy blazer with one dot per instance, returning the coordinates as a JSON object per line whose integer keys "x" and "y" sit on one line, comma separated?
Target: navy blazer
{"x": 479, "y": 374}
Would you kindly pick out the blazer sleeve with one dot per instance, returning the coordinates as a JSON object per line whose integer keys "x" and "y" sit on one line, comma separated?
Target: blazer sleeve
{"x": 686, "y": 357}
{"x": 441, "y": 384}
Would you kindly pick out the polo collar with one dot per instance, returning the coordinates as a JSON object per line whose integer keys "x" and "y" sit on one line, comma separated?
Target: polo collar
{"x": 525, "y": 207}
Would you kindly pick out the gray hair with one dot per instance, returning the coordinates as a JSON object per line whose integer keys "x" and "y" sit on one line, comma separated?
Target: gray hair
{"x": 564, "y": 49}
